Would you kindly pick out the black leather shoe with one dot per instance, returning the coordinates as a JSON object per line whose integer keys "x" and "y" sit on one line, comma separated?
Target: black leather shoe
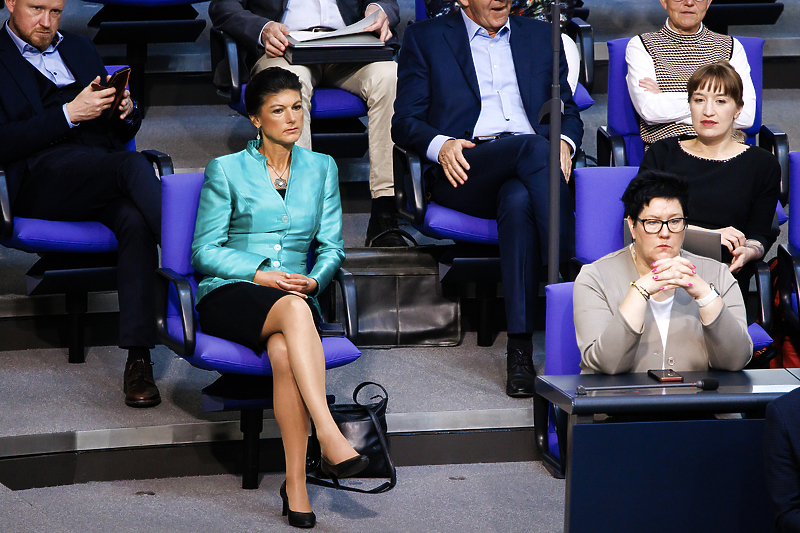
{"x": 521, "y": 374}
{"x": 139, "y": 385}
{"x": 347, "y": 468}
{"x": 296, "y": 519}
{"x": 383, "y": 232}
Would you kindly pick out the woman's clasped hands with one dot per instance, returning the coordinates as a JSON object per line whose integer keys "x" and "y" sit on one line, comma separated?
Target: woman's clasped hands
{"x": 292, "y": 283}
{"x": 672, "y": 273}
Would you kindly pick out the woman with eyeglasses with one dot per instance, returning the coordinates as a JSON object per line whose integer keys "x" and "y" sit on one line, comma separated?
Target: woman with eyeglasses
{"x": 652, "y": 305}
{"x": 733, "y": 187}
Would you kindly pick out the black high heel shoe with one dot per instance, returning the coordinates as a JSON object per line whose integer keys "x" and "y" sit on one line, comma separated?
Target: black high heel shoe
{"x": 347, "y": 468}
{"x": 302, "y": 520}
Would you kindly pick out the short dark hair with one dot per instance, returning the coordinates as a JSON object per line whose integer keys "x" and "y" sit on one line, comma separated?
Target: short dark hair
{"x": 650, "y": 184}
{"x": 269, "y": 81}
{"x": 718, "y": 77}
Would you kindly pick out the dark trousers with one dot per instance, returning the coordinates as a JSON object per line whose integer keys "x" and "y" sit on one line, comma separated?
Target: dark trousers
{"x": 508, "y": 180}
{"x": 74, "y": 182}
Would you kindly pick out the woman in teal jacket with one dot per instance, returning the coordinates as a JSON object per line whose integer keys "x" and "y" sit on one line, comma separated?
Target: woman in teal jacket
{"x": 259, "y": 212}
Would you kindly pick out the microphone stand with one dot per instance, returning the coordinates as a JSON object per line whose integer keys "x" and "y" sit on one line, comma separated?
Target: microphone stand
{"x": 556, "y": 108}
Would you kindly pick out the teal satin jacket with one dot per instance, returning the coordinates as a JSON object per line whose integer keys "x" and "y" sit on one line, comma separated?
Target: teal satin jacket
{"x": 243, "y": 225}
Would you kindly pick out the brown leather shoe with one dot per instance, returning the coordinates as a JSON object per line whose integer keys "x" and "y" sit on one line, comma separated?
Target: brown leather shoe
{"x": 139, "y": 385}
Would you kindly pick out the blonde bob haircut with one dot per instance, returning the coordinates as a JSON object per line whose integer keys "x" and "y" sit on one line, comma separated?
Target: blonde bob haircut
{"x": 718, "y": 77}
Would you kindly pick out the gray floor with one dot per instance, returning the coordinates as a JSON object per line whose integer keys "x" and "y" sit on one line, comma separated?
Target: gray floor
{"x": 42, "y": 393}
{"x": 482, "y": 498}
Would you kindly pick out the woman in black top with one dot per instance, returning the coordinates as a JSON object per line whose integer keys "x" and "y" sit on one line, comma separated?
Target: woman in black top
{"x": 733, "y": 187}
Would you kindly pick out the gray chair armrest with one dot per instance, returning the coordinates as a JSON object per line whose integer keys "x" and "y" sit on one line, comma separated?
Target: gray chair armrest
{"x": 581, "y": 32}
{"x": 764, "y": 290}
{"x": 611, "y": 151}
{"x": 409, "y": 189}
{"x": 773, "y": 139}
{"x": 232, "y": 55}
{"x": 165, "y": 277}
{"x": 6, "y": 218}
{"x": 347, "y": 285}
{"x": 162, "y": 161}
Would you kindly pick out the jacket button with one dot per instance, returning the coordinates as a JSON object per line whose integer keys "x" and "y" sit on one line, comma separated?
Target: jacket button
{"x": 276, "y": 264}
{"x": 277, "y": 247}
{"x": 285, "y": 218}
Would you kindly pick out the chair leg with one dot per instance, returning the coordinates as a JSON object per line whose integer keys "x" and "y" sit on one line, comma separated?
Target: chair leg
{"x": 486, "y": 294}
{"x": 77, "y": 306}
{"x": 252, "y": 422}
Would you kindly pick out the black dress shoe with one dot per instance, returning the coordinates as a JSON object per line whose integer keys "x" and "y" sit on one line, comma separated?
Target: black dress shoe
{"x": 347, "y": 468}
{"x": 139, "y": 385}
{"x": 521, "y": 374}
{"x": 383, "y": 232}
{"x": 296, "y": 519}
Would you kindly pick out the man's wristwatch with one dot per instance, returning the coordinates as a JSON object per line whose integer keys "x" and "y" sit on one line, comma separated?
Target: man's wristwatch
{"x": 702, "y": 302}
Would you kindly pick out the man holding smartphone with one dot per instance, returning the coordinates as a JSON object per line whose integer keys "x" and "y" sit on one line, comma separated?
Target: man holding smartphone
{"x": 63, "y": 152}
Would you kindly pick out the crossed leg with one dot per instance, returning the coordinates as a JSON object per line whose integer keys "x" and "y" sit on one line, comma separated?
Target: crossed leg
{"x": 298, "y": 370}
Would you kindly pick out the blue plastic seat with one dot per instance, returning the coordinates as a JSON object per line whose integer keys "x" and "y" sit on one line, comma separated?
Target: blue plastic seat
{"x": 95, "y": 272}
{"x": 177, "y": 321}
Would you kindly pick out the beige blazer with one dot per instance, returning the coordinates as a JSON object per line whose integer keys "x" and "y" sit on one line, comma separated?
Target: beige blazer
{"x": 610, "y": 346}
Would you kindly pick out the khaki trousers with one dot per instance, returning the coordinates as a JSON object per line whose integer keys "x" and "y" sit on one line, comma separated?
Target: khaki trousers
{"x": 376, "y": 84}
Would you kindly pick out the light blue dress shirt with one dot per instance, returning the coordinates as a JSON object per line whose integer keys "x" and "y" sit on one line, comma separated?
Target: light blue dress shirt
{"x": 49, "y": 63}
{"x": 501, "y": 104}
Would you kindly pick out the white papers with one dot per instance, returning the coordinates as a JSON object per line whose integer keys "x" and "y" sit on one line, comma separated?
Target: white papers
{"x": 358, "y": 27}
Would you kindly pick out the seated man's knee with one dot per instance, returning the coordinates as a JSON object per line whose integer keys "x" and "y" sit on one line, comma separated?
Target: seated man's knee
{"x": 513, "y": 201}
{"x": 382, "y": 80}
{"x": 134, "y": 165}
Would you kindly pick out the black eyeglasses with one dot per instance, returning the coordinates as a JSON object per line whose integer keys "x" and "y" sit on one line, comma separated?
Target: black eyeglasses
{"x": 654, "y": 225}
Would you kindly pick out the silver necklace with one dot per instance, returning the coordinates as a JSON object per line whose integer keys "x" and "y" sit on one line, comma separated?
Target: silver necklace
{"x": 279, "y": 182}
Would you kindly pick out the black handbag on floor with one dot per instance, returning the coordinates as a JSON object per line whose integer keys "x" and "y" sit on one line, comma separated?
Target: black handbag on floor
{"x": 364, "y": 427}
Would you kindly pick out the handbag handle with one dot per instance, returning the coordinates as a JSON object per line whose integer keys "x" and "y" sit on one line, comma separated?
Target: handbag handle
{"x": 384, "y": 398}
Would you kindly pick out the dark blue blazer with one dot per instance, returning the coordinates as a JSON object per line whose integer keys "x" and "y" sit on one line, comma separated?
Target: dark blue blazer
{"x": 437, "y": 87}
{"x": 25, "y": 126}
{"x": 782, "y": 460}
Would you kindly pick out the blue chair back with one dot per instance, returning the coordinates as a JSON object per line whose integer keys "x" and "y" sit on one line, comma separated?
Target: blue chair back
{"x": 794, "y": 197}
{"x": 621, "y": 114}
{"x": 562, "y": 356}
{"x": 599, "y": 211}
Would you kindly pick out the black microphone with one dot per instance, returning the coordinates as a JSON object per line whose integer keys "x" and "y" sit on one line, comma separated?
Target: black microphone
{"x": 702, "y": 384}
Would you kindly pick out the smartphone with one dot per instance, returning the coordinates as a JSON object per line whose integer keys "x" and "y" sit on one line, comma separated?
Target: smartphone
{"x": 119, "y": 80}
{"x": 665, "y": 376}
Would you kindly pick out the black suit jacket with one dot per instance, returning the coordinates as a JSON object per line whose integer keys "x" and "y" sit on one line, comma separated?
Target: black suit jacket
{"x": 26, "y": 127}
{"x": 244, "y": 19}
{"x": 782, "y": 460}
{"x": 437, "y": 87}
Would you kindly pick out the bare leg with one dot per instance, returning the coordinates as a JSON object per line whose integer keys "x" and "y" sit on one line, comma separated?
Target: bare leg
{"x": 291, "y": 317}
{"x": 292, "y": 418}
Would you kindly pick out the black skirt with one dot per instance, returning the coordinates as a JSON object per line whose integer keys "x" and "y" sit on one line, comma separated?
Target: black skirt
{"x": 237, "y": 312}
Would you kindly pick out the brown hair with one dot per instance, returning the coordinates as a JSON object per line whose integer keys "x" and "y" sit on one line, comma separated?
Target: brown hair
{"x": 717, "y": 77}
